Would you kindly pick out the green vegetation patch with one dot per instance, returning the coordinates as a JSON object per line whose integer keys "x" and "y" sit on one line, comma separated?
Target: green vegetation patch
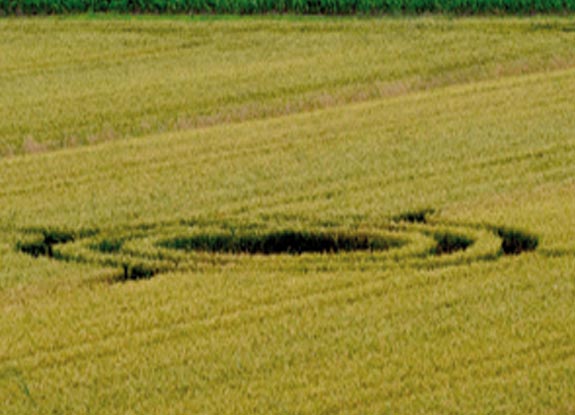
{"x": 329, "y": 7}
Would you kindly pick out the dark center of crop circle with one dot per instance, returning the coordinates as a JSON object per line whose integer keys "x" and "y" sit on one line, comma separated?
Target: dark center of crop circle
{"x": 288, "y": 242}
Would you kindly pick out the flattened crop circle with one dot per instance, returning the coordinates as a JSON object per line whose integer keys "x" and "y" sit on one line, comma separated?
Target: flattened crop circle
{"x": 408, "y": 241}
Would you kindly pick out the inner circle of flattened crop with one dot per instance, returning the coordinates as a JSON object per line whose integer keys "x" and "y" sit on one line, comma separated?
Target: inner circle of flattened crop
{"x": 281, "y": 242}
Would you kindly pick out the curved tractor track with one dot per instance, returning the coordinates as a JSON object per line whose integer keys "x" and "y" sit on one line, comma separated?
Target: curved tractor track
{"x": 409, "y": 240}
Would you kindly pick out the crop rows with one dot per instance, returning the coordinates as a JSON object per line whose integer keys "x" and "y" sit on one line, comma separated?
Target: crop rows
{"x": 404, "y": 246}
{"x": 155, "y": 75}
{"x": 330, "y": 7}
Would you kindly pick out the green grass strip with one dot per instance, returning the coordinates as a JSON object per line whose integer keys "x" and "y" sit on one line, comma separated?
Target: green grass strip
{"x": 327, "y": 7}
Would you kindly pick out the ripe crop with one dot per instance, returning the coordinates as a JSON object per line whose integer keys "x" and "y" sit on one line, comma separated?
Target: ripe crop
{"x": 287, "y": 220}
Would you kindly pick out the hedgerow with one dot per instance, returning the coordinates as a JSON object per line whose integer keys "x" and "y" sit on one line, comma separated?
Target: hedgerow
{"x": 329, "y": 7}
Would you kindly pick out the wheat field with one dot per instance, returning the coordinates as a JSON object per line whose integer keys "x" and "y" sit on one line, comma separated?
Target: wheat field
{"x": 287, "y": 215}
